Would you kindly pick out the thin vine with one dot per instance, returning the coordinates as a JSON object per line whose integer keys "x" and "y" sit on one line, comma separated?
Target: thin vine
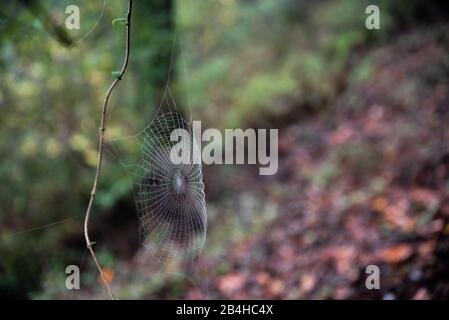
{"x": 118, "y": 76}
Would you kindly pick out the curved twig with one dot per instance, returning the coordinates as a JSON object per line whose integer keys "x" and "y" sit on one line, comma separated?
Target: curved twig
{"x": 100, "y": 150}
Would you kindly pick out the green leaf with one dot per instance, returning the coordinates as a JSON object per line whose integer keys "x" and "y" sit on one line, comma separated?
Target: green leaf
{"x": 116, "y": 74}
{"x": 122, "y": 21}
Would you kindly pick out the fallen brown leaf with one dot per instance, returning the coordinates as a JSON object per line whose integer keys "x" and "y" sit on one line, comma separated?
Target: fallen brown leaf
{"x": 395, "y": 254}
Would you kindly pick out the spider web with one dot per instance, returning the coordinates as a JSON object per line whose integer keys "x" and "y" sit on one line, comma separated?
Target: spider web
{"x": 169, "y": 197}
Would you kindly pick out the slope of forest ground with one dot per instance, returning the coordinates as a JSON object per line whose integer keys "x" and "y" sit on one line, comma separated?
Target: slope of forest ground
{"x": 363, "y": 182}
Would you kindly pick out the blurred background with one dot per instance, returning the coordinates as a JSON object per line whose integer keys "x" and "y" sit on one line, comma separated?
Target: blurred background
{"x": 363, "y": 146}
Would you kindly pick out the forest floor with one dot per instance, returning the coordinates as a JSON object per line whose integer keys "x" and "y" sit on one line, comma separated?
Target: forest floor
{"x": 363, "y": 182}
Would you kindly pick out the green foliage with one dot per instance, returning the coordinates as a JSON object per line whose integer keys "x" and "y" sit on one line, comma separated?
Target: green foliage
{"x": 51, "y": 97}
{"x": 116, "y": 74}
{"x": 21, "y": 268}
{"x": 256, "y": 67}
{"x": 121, "y": 21}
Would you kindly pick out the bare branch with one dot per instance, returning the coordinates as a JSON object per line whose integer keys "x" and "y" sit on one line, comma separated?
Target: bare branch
{"x": 100, "y": 150}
